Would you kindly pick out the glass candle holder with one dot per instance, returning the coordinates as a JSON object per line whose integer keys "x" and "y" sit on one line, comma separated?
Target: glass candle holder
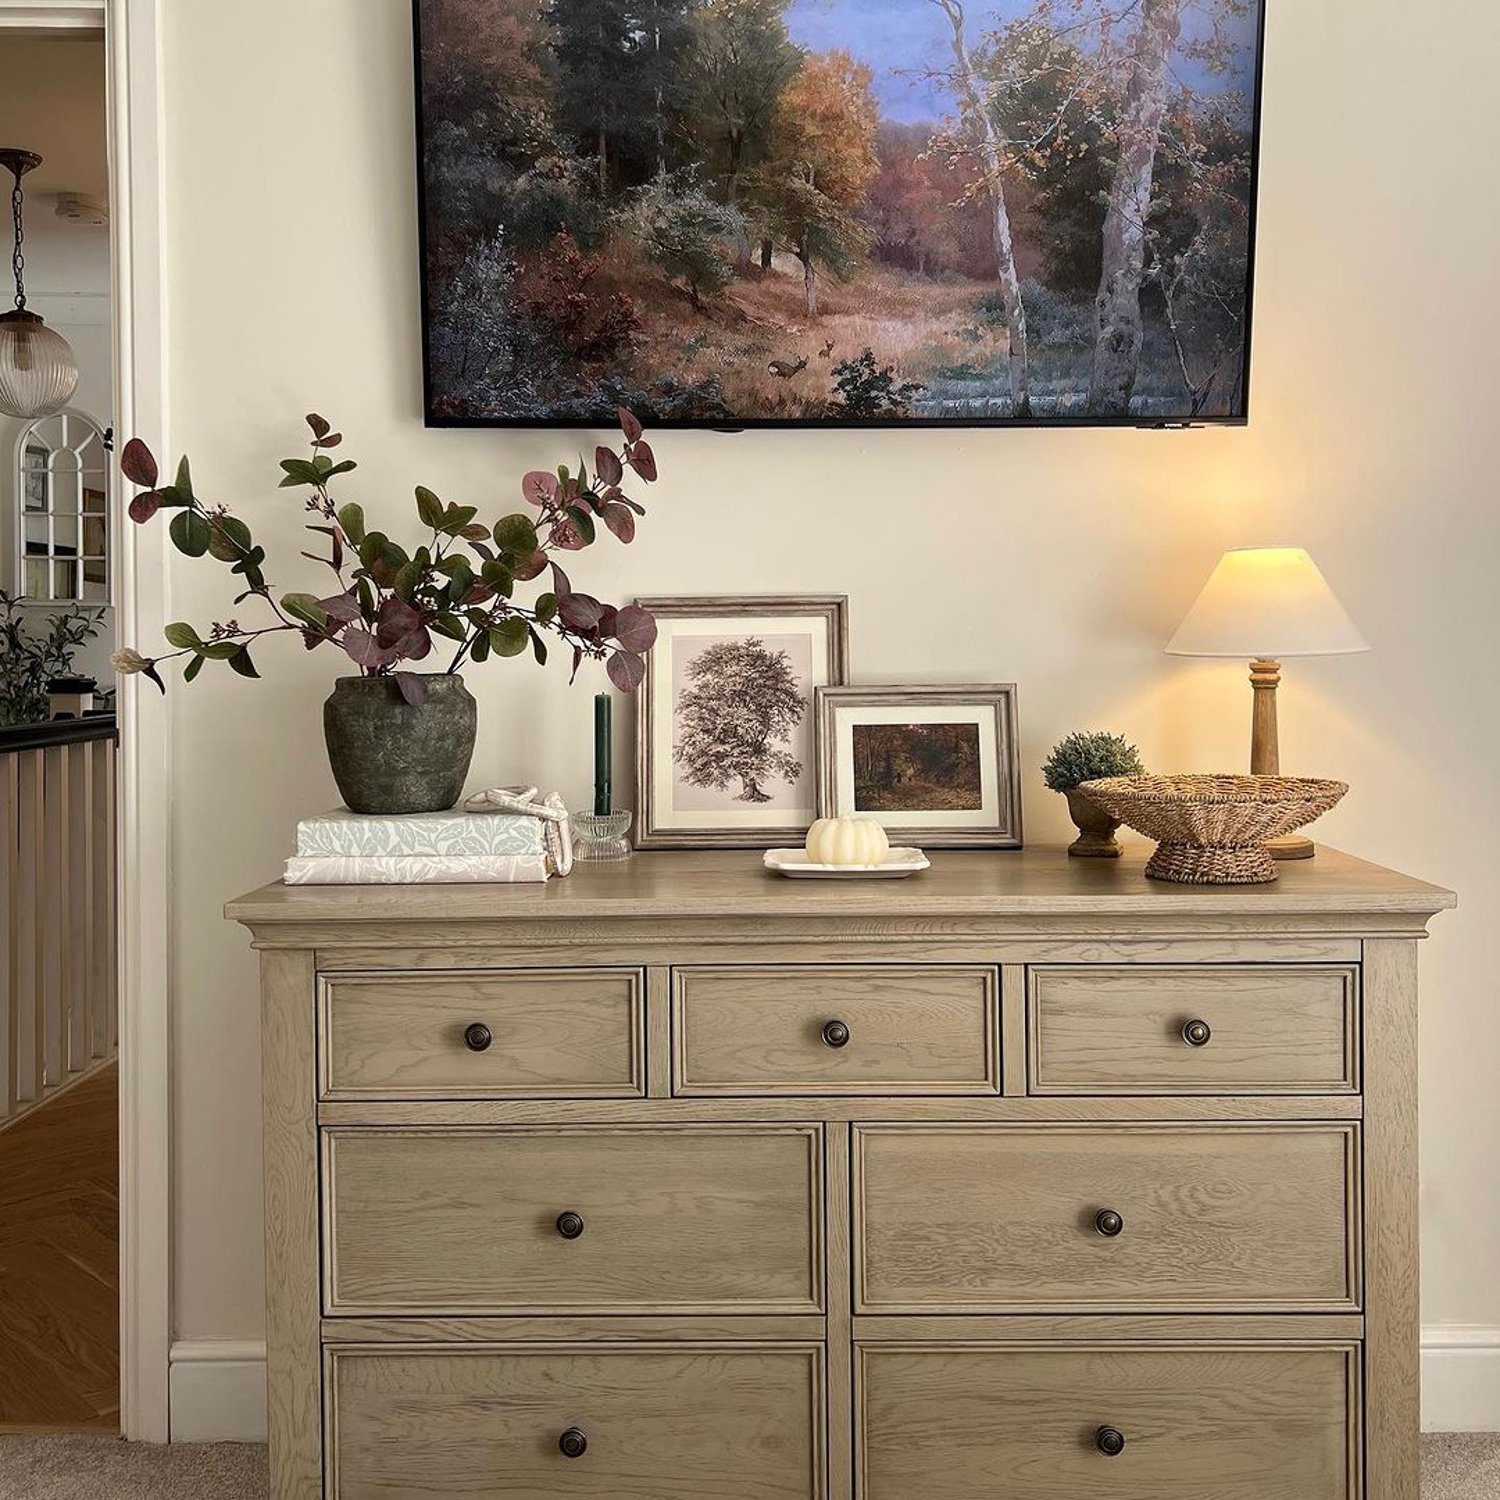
{"x": 600, "y": 837}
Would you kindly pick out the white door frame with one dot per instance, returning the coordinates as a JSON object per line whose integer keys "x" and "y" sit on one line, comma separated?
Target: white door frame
{"x": 132, "y": 30}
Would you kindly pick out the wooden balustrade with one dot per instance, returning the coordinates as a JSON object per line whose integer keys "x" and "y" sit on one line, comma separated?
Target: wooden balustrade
{"x": 57, "y": 907}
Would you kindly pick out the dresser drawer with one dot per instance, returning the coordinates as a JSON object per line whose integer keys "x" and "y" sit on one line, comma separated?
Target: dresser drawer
{"x": 995, "y": 1218}
{"x": 737, "y": 1423}
{"x": 670, "y": 1219}
{"x": 845, "y": 1030}
{"x": 1234, "y": 1422}
{"x": 527, "y": 1033}
{"x": 1273, "y": 1029}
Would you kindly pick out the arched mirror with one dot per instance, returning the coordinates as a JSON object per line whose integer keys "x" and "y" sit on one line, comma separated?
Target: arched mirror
{"x": 62, "y": 489}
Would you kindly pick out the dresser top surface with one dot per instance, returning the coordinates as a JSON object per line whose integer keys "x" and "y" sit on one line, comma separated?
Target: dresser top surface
{"x": 734, "y": 883}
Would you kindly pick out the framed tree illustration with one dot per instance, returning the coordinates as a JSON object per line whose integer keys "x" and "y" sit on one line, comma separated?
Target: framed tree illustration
{"x": 726, "y": 733}
{"x": 749, "y": 213}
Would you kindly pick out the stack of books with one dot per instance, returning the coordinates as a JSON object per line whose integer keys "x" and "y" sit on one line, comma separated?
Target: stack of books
{"x": 447, "y": 848}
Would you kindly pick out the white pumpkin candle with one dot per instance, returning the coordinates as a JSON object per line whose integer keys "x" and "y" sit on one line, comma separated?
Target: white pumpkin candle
{"x": 847, "y": 841}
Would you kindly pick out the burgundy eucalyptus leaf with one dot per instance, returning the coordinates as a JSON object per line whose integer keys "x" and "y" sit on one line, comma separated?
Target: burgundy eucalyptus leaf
{"x": 145, "y": 505}
{"x": 416, "y": 646}
{"x": 138, "y": 464}
{"x": 531, "y": 567}
{"x": 341, "y": 607}
{"x": 567, "y": 535}
{"x": 365, "y": 651}
{"x": 635, "y": 629}
{"x": 607, "y": 617}
{"x": 396, "y": 623}
{"x": 579, "y": 611}
{"x": 560, "y": 585}
{"x": 620, "y": 521}
{"x": 577, "y": 662}
{"x": 628, "y": 424}
{"x": 320, "y": 428}
{"x": 539, "y": 487}
{"x": 643, "y": 461}
{"x": 626, "y": 670}
{"x": 413, "y": 689}
{"x": 331, "y": 441}
{"x": 607, "y": 465}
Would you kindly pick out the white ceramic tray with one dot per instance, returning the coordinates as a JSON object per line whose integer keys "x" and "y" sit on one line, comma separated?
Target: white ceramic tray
{"x": 898, "y": 864}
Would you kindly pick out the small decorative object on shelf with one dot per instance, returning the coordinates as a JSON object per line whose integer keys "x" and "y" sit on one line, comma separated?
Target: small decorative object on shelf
{"x": 1090, "y": 757}
{"x": 798, "y": 864}
{"x": 1213, "y": 830}
{"x": 847, "y": 841}
{"x": 599, "y": 838}
{"x": 399, "y": 741}
{"x": 603, "y": 757}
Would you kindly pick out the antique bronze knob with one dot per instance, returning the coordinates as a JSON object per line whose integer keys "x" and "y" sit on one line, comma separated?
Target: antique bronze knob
{"x": 570, "y": 1225}
{"x": 1197, "y": 1033}
{"x": 1110, "y": 1441}
{"x": 1108, "y": 1223}
{"x": 477, "y": 1037}
{"x": 574, "y": 1444}
{"x": 836, "y": 1034}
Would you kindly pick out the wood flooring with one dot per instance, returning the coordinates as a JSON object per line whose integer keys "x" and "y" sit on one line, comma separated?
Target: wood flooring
{"x": 59, "y": 1263}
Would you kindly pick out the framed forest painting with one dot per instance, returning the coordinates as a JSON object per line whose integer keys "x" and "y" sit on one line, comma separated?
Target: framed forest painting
{"x": 726, "y": 733}
{"x": 741, "y": 213}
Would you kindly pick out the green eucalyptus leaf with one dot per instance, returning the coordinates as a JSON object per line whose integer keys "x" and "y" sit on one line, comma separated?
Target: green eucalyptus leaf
{"x": 184, "y": 484}
{"x": 352, "y": 519}
{"x": 305, "y": 607}
{"x": 546, "y": 608}
{"x": 220, "y": 650}
{"x": 193, "y": 668}
{"x": 242, "y": 664}
{"x": 480, "y": 650}
{"x": 456, "y": 517}
{"x": 429, "y": 508}
{"x": 299, "y": 471}
{"x": 516, "y": 534}
{"x": 450, "y": 625}
{"x": 510, "y": 637}
{"x": 408, "y": 576}
{"x": 190, "y": 533}
{"x": 182, "y": 635}
{"x": 229, "y": 538}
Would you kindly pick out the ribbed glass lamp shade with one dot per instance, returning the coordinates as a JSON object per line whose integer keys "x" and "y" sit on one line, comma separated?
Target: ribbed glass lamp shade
{"x": 38, "y": 371}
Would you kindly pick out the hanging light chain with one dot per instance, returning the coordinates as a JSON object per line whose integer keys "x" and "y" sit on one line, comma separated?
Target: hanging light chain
{"x": 18, "y": 258}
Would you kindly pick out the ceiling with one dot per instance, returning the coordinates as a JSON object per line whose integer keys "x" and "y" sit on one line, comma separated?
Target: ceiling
{"x": 52, "y": 102}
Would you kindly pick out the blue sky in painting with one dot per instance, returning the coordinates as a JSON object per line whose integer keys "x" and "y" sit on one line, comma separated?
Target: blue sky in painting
{"x": 903, "y": 40}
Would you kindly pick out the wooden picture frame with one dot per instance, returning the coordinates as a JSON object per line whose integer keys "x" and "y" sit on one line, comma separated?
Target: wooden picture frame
{"x": 968, "y": 756}
{"x": 684, "y": 796}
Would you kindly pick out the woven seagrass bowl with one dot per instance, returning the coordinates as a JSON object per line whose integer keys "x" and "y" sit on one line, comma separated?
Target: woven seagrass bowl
{"x": 1212, "y": 830}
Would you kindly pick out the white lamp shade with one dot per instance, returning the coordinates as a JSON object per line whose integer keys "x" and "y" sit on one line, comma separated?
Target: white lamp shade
{"x": 1268, "y": 602}
{"x": 38, "y": 372}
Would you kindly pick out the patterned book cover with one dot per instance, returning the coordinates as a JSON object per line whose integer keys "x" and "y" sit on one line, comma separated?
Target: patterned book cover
{"x": 417, "y": 869}
{"x": 342, "y": 833}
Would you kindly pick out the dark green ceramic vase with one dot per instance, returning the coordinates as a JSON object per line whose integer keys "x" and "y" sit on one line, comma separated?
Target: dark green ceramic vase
{"x": 391, "y": 756}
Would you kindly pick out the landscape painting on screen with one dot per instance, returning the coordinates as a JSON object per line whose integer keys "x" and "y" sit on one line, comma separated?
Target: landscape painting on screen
{"x": 741, "y": 212}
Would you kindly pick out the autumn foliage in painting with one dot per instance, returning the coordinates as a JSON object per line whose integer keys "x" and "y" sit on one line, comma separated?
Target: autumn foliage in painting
{"x": 746, "y": 210}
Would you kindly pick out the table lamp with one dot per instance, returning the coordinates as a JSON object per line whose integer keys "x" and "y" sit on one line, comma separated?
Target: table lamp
{"x": 1266, "y": 603}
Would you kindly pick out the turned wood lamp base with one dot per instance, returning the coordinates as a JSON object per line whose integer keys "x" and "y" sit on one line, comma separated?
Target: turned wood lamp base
{"x": 1265, "y": 749}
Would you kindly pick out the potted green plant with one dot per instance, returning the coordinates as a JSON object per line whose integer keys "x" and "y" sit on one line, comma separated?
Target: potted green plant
{"x": 32, "y": 658}
{"x": 400, "y": 741}
{"x": 1088, "y": 757}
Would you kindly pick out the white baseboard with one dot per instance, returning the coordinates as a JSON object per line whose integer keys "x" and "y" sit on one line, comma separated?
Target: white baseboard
{"x": 217, "y": 1391}
{"x": 1460, "y": 1379}
{"x": 218, "y": 1387}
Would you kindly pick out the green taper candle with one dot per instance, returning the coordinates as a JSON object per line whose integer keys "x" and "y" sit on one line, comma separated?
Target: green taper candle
{"x": 602, "y": 710}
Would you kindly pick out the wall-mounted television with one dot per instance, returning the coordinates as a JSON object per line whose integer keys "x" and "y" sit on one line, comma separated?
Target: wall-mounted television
{"x": 808, "y": 213}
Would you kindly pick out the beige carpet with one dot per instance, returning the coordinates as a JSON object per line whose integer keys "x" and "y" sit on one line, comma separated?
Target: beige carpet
{"x": 64, "y": 1468}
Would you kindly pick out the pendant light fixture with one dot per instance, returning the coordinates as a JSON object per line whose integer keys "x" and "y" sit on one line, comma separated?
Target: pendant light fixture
{"x": 38, "y": 371}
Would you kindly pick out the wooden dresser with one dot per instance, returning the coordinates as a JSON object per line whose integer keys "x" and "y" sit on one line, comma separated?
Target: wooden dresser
{"x": 1026, "y": 1178}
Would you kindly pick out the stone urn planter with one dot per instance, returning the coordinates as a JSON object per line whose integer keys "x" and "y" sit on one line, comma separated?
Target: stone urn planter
{"x": 391, "y": 756}
{"x": 1096, "y": 828}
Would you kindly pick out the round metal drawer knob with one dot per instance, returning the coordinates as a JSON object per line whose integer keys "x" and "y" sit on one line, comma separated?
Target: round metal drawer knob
{"x": 1197, "y": 1033}
{"x": 477, "y": 1037}
{"x": 574, "y": 1444}
{"x": 1108, "y": 1223}
{"x": 1110, "y": 1441}
{"x": 836, "y": 1034}
{"x": 570, "y": 1225}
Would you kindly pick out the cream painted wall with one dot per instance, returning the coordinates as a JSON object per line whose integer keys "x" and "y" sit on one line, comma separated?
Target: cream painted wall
{"x": 1059, "y": 559}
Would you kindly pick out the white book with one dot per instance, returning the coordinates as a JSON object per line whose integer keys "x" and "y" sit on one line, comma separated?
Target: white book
{"x": 344, "y": 834}
{"x": 417, "y": 869}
